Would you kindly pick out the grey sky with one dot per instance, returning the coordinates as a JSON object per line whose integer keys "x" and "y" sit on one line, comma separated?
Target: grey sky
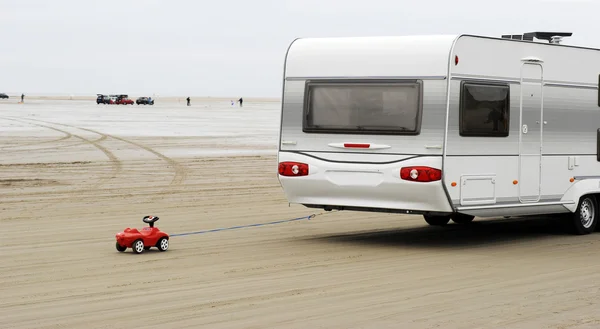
{"x": 230, "y": 47}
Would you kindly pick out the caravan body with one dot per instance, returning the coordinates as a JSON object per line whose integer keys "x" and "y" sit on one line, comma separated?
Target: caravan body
{"x": 444, "y": 126}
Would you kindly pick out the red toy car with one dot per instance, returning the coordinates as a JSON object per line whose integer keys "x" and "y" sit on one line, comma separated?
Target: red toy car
{"x": 142, "y": 240}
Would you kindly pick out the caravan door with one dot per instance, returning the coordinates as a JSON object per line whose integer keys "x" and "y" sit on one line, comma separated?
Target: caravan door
{"x": 531, "y": 118}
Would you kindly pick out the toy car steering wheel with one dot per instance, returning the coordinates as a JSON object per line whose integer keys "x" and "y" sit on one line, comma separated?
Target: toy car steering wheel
{"x": 150, "y": 220}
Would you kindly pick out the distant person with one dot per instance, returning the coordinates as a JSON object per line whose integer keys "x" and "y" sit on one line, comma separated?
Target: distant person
{"x": 188, "y": 101}
{"x": 241, "y": 101}
{"x": 22, "y": 98}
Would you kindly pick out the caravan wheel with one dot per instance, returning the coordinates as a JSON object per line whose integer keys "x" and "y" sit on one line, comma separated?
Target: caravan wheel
{"x": 585, "y": 218}
{"x": 436, "y": 220}
{"x": 462, "y": 218}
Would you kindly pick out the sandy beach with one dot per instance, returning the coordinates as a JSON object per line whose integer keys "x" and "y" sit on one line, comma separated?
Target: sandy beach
{"x": 73, "y": 174}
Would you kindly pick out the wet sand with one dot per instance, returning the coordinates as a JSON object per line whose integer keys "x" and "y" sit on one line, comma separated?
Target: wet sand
{"x": 72, "y": 175}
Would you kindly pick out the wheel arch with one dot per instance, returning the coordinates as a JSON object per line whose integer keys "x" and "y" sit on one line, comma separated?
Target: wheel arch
{"x": 579, "y": 189}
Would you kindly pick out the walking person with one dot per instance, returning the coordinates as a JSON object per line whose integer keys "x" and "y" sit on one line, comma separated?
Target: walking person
{"x": 188, "y": 101}
{"x": 22, "y": 98}
{"x": 241, "y": 101}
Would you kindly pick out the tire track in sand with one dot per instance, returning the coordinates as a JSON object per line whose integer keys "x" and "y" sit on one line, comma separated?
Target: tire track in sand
{"x": 50, "y": 147}
{"x": 180, "y": 171}
{"x": 116, "y": 164}
{"x": 67, "y": 135}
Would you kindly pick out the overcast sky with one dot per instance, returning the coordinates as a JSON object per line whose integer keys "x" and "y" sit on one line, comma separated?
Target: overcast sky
{"x": 231, "y": 47}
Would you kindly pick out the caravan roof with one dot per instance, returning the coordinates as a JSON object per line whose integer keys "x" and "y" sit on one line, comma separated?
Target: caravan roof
{"x": 338, "y": 57}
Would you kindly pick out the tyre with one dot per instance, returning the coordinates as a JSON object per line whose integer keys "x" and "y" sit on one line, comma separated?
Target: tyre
{"x": 138, "y": 246}
{"x": 163, "y": 244}
{"x": 462, "y": 218}
{"x": 585, "y": 219}
{"x": 436, "y": 220}
{"x": 120, "y": 248}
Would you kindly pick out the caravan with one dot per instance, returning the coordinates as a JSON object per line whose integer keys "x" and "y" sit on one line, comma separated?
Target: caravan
{"x": 448, "y": 127}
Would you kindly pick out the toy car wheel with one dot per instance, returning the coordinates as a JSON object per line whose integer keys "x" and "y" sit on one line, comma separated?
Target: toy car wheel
{"x": 120, "y": 248}
{"x": 138, "y": 246}
{"x": 163, "y": 244}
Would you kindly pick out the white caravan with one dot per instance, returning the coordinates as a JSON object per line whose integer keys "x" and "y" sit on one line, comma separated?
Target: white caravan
{"x": 450, "y": 127}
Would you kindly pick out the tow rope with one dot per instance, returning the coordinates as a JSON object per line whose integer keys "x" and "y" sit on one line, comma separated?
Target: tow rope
{"x": 250, "y": 225}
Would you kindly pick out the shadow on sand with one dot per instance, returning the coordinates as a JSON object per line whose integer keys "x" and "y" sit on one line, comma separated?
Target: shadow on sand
{"x": 480, "y": 233}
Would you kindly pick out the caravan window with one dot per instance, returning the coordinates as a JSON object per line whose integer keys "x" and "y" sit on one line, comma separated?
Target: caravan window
{"x": 363, "y": 107}
{"x": 484, "y": 109}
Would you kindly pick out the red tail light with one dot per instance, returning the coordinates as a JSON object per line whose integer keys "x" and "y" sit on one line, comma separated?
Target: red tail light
{"x": 357, "y": 145}
{"x": 293, "y": 169}
{"x": 420, "y": 174}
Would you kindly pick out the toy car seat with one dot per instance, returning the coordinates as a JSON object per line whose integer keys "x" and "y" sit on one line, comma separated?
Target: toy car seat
{"x": 150, "y": 220}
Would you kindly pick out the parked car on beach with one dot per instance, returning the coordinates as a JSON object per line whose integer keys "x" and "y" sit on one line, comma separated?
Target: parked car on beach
{"x": 145, "y": 101}
{"x": 123, "y": 100}
{"x": 3, "y": 95}
{"x": 103, "y": 99}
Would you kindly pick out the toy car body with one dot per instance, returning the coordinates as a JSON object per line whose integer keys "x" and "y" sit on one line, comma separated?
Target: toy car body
{"x": 140, "y": 240}
{"x": 3, "y": 95}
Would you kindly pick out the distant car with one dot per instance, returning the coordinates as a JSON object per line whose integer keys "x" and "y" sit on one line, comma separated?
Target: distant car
{"x": 124, "y": 101}
{"x": 140, "y": 240}
{"x": 3, "y": 95}
{"x": 103, "y": 99}
{"x": 145, "y": 101}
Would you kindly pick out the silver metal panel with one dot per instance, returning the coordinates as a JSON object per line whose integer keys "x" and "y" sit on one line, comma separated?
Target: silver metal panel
{"x": 358, "y": 157}
{"x": 428, "y": 142}
{"x": 503, "y": 201}
{"x": 403, "y": 77}
{"x": 385, "y": 56}
{"x": 572, "y": 117}
{"x": 477, "y": 190}
{"x": 498, "y": 57}
{"x": 555, "y": 83}
{"x": 513, "y": 210}
{"x": 571, "y": 109}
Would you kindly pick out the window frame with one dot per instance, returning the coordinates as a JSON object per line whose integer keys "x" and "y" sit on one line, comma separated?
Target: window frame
{"x": 353, "y": 82}
{"x": 461, "y": 107}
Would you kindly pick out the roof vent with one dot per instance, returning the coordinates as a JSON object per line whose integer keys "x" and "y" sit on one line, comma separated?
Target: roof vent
{"x": 551, "y": 37}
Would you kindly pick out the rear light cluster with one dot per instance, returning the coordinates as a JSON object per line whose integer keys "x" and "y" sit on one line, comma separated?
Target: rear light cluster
{"x": 293, "y": 169}
{"x": 420, "y": 174}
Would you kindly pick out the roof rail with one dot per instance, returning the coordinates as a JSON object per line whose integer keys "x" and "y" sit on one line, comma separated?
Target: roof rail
{"x": 552, "y": 37}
